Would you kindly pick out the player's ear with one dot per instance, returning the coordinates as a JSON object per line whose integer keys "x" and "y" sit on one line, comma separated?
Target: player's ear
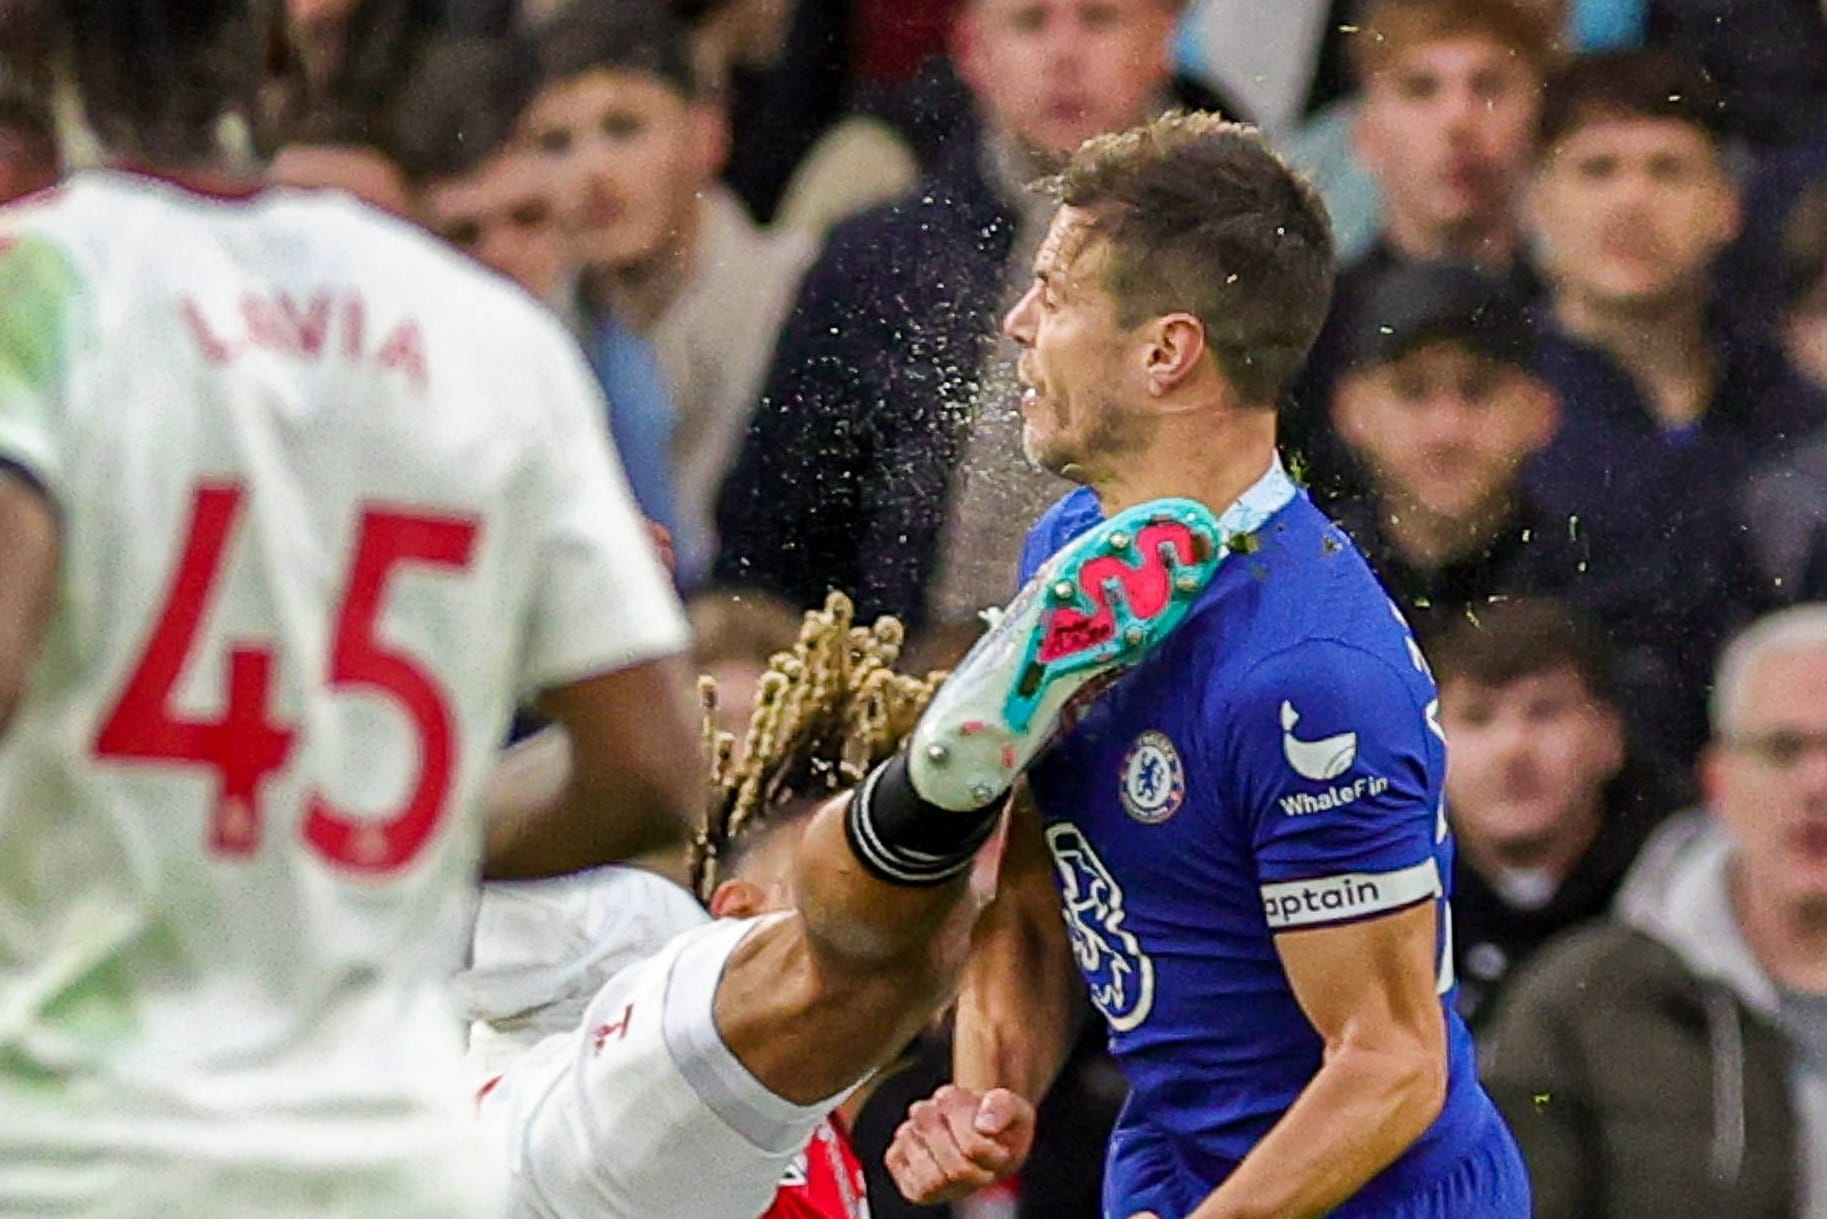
{"x": 1176, "y": 348}
{"x": 737, "y": 899}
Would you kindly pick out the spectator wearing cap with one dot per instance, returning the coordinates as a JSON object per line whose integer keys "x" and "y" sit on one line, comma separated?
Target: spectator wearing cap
{"x": 1549, "y": 799}
{"x": 1447, "y": 418}
{"x": 1440, "y": 406}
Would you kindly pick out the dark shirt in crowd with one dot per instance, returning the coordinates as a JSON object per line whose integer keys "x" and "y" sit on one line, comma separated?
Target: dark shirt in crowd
{"x": 1494, "y": 933}
{"x": 842, "y": 480}
{"x": 1533, "y": 556}
{"x": 1664, "y": 507}
{"x": 1769, "y": 58}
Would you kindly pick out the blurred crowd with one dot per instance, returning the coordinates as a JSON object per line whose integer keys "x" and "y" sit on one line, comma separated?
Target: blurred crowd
{"x": 1571, "y": 402}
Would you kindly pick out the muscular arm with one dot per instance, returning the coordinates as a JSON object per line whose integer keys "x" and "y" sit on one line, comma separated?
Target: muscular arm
{"x": 1369, "y": 990}
{"x": 625, "y": 778}
{"x": 29, "y": 552}
{"x": 1014, "y": 1027}
{"x": 814, "y": 1001}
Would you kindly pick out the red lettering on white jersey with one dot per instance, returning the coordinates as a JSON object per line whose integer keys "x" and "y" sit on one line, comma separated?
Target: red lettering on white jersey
{"x": 303, "y": 329}
{"x": 617, "y": 1030}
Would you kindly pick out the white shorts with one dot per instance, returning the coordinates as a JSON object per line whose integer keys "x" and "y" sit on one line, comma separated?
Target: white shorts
{"x": 644, "y": 1112}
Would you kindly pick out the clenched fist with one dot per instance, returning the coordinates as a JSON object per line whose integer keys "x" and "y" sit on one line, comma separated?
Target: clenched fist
{"x": 958, "y": 1142}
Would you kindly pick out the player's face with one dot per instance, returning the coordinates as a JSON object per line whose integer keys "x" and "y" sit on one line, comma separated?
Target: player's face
{"x": 1632, "y": 212}
{"x": 1527, "y": 762}
{"x": 1768, "y": 780}
{"x": 502, "y": 215}
{"x": 1054, "y": 73}
{"x": 1448, "y": 130}
{"x": 1077, "y": 358}
{"x": 625, "y": 160}
{"x": 1445, "y": 429}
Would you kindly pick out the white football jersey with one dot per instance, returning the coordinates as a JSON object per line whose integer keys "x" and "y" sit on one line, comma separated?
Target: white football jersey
{"x": 543, "y": 948}
{"x": 330, "y": 498}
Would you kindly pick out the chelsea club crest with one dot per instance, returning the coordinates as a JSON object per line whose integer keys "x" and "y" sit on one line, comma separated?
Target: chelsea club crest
{"x": 1154, "y": 781}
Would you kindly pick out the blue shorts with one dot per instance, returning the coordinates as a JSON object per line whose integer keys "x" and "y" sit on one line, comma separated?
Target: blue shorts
{"x": 1488, "y": 1182}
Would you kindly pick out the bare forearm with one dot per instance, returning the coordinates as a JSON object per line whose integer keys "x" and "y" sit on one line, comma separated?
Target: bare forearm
{"x": 541, "y": 822}
{"x": 1015, "y": 1008}
{"x": 814, "y": 1002}
{"x": 1014, "y": 1026}
{"x": 1363, "y": 1109}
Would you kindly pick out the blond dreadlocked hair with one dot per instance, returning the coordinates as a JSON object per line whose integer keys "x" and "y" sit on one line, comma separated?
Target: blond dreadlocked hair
{"x": 825, "y": 712}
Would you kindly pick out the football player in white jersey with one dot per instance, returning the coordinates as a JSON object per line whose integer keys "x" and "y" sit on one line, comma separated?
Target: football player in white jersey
{"x": 294, "y": 504}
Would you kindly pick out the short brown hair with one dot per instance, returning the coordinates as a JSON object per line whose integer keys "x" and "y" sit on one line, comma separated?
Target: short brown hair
{"x": 1390, "y": 28}
{"x": 1650, "y": 84}
{"x": 1509, "y": 640}
{"x": 1202, "y": 216}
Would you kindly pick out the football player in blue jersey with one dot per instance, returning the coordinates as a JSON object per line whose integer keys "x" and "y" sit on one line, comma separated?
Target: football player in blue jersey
{"x": 1245, "y": 834}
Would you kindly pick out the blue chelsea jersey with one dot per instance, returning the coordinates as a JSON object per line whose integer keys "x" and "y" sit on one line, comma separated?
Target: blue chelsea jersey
{"x": 1276, "y": 765}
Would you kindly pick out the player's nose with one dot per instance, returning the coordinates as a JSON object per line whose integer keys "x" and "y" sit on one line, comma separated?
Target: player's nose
{"x": 1018, "y": 324}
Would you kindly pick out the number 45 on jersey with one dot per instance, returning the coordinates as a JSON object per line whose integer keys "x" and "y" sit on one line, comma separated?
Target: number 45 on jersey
{"x": 244, "y": 745}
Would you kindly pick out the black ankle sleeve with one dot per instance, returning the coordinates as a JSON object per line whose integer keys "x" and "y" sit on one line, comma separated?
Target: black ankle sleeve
{"x": 905, "y": 839}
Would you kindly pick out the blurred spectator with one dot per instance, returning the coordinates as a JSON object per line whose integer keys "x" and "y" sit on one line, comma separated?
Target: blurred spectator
{"x": 474, "y": 184}
{"x": 1323, "y": 147}
{"x": 333, "y": 124}
{"x": 1769, "y": 59}
{"x": 1632, "y": 203}
{"x": 1442, "y": 408}
{"x": 636, "y": 146}
{"x": 1786, "y": 501}
{"x": 480, "y": 187}
{"x": 1548, "y": 804}
{"x": 1666, "y": 410}
{"x": 1673, "y": 1063}
{"x": 733, "y": 637}
{"x": 897, "y": 134}
{"x": 1802, "y": 276}
{"x": 29, "y": 159}
{"x": 889, "y": 379}
{"x": 1446, "y": 126}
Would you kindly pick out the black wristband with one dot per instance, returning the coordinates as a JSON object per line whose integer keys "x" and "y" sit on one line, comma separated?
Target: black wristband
{"x": 905, "y": 839}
